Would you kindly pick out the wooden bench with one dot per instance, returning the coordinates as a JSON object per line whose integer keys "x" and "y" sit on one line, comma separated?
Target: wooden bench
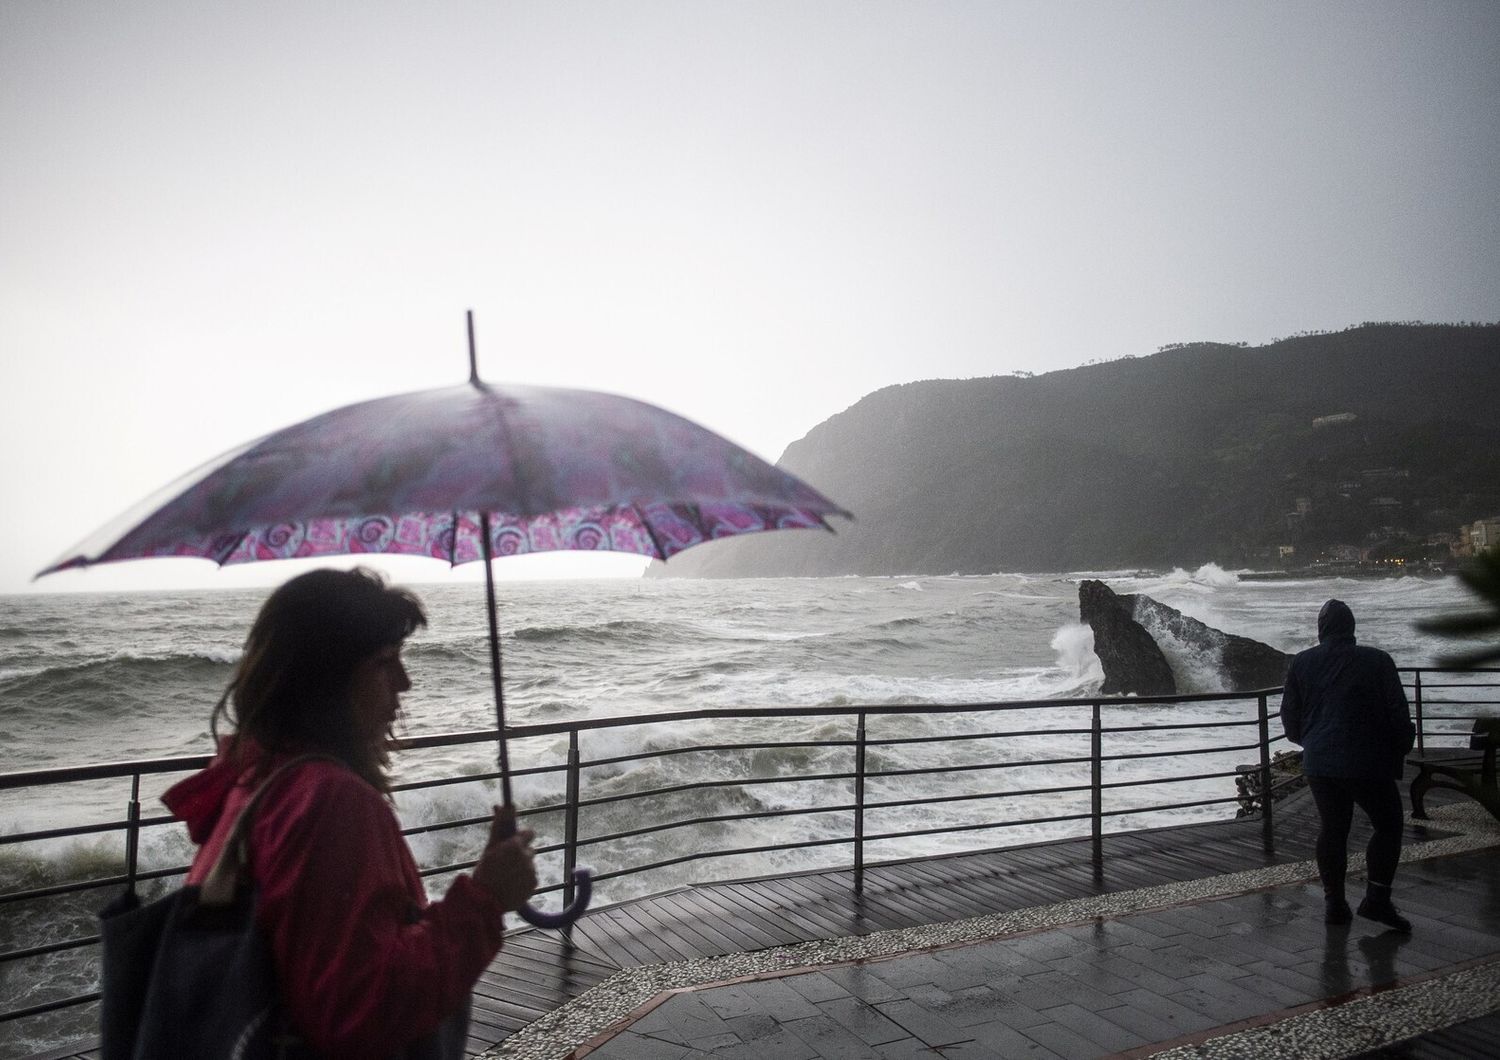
{"x": 1470, "y": 771}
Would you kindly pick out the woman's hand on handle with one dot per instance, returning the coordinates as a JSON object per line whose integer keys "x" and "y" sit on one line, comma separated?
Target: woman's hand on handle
{"x": 505, "y": 868}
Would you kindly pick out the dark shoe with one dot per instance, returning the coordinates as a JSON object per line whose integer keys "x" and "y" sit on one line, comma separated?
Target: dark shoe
{"x": 1383, "y": 912}
{"x": 1337, "y": 911}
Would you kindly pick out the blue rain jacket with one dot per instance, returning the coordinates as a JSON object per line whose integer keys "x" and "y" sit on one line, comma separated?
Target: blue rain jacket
{"x": 1345, "y": 705}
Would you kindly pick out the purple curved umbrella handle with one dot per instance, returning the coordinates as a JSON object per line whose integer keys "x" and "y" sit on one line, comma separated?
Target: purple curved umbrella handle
{"x": 583, "y": 890}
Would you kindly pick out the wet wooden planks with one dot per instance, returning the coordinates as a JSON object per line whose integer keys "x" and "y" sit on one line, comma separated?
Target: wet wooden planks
{"x": 540, "y": 971}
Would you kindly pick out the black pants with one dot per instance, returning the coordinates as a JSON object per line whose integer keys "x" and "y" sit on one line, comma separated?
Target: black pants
{"x": 1336, "y": 798}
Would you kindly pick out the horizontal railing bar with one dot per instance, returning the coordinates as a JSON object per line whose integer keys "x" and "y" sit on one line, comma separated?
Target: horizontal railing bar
{"x": 464, "y": 866}
{"x": 871, "y": 774}
{"x": 1131, "y": 756}
{"x": 896, "y": 741}
{"x": 979, "y": 827}
{"x": 1452, "y": 685}
{"x": 86, "y": 885}
{"x": 1169, "y": 780}
{"x": 64, "y": 833}
{"x": 736, "y": 852}
{"x": 105, "y": 771}
{"x": 51, "y": 1006}
{"x": 668, "y": 751}
{"x": 1170, "y": 806}
{"x": 470, "y": 822}
{"x": 927, "y": 800}
{"x": 63, "y": 888}
{"x": 51, "y": 947}
{"x": 759, "y": 815}
{"x": 474, "y": 778}
{"x": 1107, "y": 729}
{"x": 700, "y": 785}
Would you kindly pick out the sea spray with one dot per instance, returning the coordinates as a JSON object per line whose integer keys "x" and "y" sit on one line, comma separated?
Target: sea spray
{"x": 1074, "y": 645}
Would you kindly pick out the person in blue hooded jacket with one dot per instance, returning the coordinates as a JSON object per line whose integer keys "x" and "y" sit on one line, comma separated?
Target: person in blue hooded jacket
{"x": 1344, "y": 703}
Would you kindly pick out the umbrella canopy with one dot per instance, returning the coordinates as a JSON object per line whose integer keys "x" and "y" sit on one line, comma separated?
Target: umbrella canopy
{"x": 467, "y": 473}
{"x": 413, "y": 473}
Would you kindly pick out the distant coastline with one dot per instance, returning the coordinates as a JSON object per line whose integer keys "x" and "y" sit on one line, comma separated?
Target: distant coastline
{"x": 1352, "y": 570}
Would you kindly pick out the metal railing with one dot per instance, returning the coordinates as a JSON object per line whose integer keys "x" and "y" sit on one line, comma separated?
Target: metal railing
{"x": 1114, "y": 730}
{"x": 1470, "y": 692}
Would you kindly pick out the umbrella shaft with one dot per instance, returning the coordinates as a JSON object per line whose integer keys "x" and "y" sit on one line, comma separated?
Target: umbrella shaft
{"x": 489, "y": 599}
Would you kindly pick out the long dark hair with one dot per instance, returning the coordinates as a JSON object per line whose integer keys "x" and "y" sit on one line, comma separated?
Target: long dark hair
{"x": 290, "y": 691}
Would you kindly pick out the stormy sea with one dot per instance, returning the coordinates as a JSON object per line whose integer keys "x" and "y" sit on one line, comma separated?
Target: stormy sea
{"x": 90, "y": 678}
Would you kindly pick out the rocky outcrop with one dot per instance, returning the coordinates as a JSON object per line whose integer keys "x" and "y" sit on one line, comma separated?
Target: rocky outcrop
{"x": 1133, "y": 664}
{"x": 1130, "y": 631}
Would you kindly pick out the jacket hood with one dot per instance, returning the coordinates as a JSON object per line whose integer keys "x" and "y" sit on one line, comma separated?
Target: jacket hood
{"x": 199, "y": 800}
{"x": 1335, "y": 622}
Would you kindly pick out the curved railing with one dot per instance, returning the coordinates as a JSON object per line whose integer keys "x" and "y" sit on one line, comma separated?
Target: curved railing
{"x": 1126, "y": 765}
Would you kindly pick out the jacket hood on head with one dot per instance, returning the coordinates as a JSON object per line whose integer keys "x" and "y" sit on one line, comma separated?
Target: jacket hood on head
{"x": 1335, "y": 622}
{"x": 199, "y": 800}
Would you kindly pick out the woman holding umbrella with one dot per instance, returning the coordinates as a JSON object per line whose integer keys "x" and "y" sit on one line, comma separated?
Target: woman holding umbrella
{"x": 365, "y": 965}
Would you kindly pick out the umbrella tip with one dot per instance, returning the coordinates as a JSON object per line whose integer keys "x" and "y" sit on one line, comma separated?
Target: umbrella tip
{"x": 473, "y": 357}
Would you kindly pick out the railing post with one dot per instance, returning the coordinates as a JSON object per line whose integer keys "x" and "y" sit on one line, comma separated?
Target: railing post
{"x": 1267, "y": 821}
{"x": 570, "y": 820}
{"x": 859, "y": 806}
{"x": 1417, "y": 696}
{"x": 133, "y": 832}
{"x": 1096, "y": 757}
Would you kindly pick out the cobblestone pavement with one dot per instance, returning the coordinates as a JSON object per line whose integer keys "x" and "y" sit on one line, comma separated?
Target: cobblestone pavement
{"x": 1253, "y": 973}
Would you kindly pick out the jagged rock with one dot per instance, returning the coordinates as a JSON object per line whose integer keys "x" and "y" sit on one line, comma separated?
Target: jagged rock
{"x": 1244, "y": 663}
{"x": 1128, "y": 634}
{"x": 1133, "y": 664}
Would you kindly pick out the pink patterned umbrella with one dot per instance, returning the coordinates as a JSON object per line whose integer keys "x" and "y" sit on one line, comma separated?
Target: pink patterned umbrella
{"x": 467, "y": 473}
{"x": 414, "y": 473}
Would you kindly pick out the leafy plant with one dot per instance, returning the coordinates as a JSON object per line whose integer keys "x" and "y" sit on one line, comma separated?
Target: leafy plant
{"x": 1483, "y": 577}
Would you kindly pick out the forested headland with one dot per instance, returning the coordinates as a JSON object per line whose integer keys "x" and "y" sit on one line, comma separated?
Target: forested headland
{"x": 1380, "y": 439}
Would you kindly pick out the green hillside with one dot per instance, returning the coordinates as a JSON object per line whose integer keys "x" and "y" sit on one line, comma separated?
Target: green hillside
{"x": 1196, "y": 453}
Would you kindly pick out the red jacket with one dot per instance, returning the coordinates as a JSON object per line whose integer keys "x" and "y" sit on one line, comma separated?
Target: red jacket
{"x": 365, "y": 963}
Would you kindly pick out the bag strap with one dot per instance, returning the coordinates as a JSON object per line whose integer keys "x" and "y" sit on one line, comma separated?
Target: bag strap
{"x": 221, "y": 883}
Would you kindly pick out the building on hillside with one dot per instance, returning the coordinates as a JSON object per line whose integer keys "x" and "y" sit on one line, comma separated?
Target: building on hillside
{"x": 1479, "y": 535}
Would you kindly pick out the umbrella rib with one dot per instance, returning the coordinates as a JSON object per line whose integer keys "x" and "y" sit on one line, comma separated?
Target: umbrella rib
{"x": 661, "y": 553}
{"x": 523, "y": 489}
{"x": 225, "y": 553}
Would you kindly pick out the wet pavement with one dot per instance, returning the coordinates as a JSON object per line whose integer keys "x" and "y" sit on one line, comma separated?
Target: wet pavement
{"x": 1254, "y": 972}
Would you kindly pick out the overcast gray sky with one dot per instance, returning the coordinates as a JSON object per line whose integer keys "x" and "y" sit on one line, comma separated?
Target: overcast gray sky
{"x": 219, "y": 218}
